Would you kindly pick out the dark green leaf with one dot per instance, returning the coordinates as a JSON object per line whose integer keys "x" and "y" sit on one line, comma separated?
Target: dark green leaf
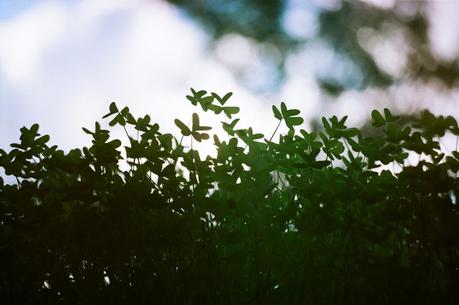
{"x": 183, "y": 128}
{"x": 277, "y": 113}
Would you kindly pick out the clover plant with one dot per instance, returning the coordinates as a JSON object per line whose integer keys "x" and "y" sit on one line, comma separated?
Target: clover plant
{"x": 326, "y": 216}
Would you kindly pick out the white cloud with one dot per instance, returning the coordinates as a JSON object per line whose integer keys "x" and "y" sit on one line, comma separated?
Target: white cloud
{"x": 61, "y": 65}
{"x": 22, "y": 42}
{"x": 444, "y": 28}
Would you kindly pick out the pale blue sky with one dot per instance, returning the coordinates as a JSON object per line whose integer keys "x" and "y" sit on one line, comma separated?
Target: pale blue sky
{"x": 62, "y": 63}
{"x": 11, "y": 8}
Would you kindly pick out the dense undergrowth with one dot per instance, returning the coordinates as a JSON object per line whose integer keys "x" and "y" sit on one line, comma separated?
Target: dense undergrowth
{"x": 297, "y": 218}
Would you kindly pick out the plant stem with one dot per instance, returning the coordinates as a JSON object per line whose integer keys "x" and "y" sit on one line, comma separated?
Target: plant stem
{"x": 275, "y": 130}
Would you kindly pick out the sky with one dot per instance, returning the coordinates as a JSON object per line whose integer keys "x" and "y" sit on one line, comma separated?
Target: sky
{"x": 63, "y": 62}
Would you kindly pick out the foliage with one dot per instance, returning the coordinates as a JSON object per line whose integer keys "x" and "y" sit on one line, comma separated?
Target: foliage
{"x": 339, "y": 27}
{"x": 303, "y": 218}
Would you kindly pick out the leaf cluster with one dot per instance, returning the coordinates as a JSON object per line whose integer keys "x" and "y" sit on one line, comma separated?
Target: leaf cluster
{"x": 328, "y": 216}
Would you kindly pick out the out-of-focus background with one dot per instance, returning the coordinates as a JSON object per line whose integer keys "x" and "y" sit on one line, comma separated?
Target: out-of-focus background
{"x": 63, "y": 62}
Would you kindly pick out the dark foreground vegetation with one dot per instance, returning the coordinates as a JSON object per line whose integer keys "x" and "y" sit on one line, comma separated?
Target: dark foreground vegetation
{"x": 298, "y": 218}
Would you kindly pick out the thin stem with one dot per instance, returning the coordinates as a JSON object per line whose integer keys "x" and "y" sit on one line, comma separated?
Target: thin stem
{"x": 181, "y": 139}
{"x": 246, "y": 145}
{"x": 275, "y": 130}
{"x": 441, "y": 144}
{"x": 457, "y": 138}
{"x": 125, "y": 130}
{"x": 347, "y": 146}
{"x": 194, "y": 169}
{"x": 19, "y": 182}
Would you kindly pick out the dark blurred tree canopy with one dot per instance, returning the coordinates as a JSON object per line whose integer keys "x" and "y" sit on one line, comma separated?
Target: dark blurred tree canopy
{"x": 339, "y": 26}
